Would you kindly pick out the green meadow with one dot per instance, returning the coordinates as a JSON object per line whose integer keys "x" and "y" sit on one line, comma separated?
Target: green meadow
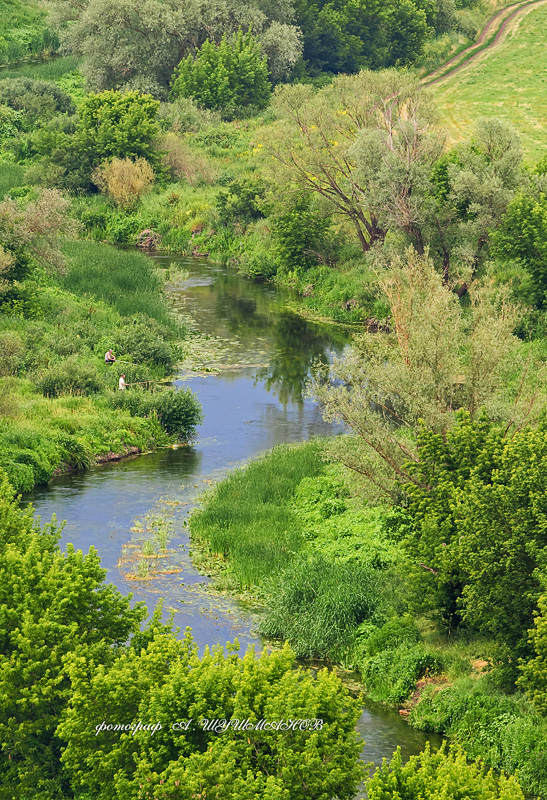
{"x": 508, "y": 82}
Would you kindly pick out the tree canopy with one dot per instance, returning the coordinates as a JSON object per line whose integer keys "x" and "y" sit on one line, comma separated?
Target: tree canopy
{"x": 227, "y": 77}
{"x": 136, "y": 44}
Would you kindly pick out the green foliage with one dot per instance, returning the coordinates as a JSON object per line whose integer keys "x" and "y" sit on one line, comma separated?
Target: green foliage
{"x": 70, "y": 377}
{"x": 315, "y": 605}
{"x": 526, "y": 216}
{"x": 503, "y": 731}
{"x": 145, "y": 342}
{"x": 137, "y": 46}
{"x": 114, "y": 125}
{"x": 178, "y": 411}
{"x": 342, "y": 36}
{"x": 534, "y": 671}
{"x": 37, "y": 100}
{"x": 480, "y": 535}
{"x": 109, "y": 125}
{"x": 299, "y": 235}
{"x": 429, "y": 776}
{"x": 390, "y": 676}
{"x": 23, "y": 31}
{"x": 242, "y": 201}
{"x": 165, "y": 682}
{"x": 228, "y": 77}
{"x": 52, "y": 604}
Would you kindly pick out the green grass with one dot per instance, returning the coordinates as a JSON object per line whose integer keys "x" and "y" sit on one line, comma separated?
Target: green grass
{"x": 23, "y": 31}
{"x": 125, "y": 279}
{"x": 51, "y": 70}
{"x": 11, "y": 175}
{"x": 508, "y": 82}
{"x": 504, "y": 731}
{"x": 249, "y": 518}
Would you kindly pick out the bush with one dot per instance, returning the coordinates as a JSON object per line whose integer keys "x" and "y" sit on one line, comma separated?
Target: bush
{"x": 69, "y": 377}
{"x": 432, "y": 776}
{"x": 36, "y": 100}
{"x": 390, "y": 676}
{"x": 11, "y": 353}
{"x": 144, "y": 342}
{"x": 228, "y": 77}
{"x": 183, "y": 115}
{"x": 123, "y": 180}
{"x": 316, "y": 605}
{"x": 178, "y": 411}
{"x": 182, "y": 161}
{"x": 300, "y": 236}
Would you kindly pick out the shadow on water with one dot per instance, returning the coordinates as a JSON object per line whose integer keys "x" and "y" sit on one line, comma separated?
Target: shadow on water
{"x": 247, "y": 410}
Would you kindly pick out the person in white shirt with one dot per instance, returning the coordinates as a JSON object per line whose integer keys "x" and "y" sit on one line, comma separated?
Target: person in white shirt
{"x": 122, "y": 384}
{"x": 109, "y": 357}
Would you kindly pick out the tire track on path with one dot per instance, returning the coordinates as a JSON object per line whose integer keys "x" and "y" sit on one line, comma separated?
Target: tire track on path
{"x": 520, "y": 10}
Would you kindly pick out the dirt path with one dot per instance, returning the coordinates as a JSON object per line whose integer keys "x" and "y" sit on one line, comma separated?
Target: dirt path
{"x": 519, "y": 10}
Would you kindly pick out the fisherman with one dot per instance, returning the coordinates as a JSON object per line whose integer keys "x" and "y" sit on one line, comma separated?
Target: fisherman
{"x": 122, "y": 384}
{"x": 109, "y": 357}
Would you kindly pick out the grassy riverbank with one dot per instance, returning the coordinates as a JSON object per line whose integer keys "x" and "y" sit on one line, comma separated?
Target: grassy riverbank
{"x": 60, "y": 407}
{"x": 290, "y": 528}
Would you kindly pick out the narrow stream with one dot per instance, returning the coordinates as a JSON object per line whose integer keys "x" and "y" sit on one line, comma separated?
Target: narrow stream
{"x": 253, "y": 402}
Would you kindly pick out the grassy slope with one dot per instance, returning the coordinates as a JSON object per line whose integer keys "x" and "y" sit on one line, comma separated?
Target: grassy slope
{"x": 509, "y": 82}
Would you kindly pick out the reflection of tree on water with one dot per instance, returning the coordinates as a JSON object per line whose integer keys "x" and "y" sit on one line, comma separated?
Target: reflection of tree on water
{"x": 245, "y": 312}
{"x": 297, "y": 344}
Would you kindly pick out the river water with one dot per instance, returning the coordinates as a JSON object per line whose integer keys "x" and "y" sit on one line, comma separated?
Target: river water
{"x": 252, "y": 399}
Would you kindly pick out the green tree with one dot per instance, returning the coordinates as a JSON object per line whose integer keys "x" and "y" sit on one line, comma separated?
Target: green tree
{"x": 438, "y": 356}
{"x": 109, "y": 125}
{"x": 311, "y": 143}
{"x": 51, "y": 604}
{"x": 299, "y": 234}
{"x": 534, "y": 671}
{"x": 349, "y": 35}
{"x": 523, "y": 236}
{"x": 167, "y": 682}
{"x": 478, "y": 546}
{"x": 136, "y": 44}
{"x": 225, "y": 77}
{"x": 430, "y": 776}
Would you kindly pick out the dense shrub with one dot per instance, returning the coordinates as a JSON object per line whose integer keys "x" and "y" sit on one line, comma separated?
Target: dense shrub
{"x": 69, "y": 377}
{"x": 145, "y": 343}
{"x": 300, "y": 237}
{"x": 390, "y": 676}
{"x": 178, "y": 411}
{"x": 123, "y": 180}
{"x": 432, "y": 776}
{"x": 503, "y": 730}
{"x": 11, "y": 353}
{"x": 228, "y": 77}
{"x": 315, "y": 605}
{"x": 36, "y": 100}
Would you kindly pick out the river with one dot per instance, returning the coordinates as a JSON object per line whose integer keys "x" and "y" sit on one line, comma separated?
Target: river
{"x": 251, "y": 401}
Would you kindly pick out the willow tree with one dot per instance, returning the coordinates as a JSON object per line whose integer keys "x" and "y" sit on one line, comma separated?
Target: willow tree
{"x": 439, "y": 356}
{"x": 136, "y": 44}
{"x": 312, "y": 142}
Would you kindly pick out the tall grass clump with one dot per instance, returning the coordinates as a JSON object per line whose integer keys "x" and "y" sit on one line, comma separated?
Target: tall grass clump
{"x": 11, "y": 175}
{"x": 316, "y": 605}
{"x": 50, "y": 70}
{"x": 249, "y": 518}
{"x": 126, "y": 280}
